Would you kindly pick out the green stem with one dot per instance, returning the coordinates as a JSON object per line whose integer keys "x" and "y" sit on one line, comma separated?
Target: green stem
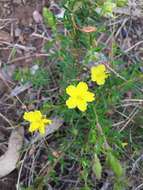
{"x": 100, "y": 131}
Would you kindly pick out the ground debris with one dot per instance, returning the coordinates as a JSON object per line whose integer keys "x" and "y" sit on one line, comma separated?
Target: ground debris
{"x": 9, "y": 160}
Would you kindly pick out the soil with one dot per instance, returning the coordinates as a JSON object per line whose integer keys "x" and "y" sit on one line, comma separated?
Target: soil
{"x": 16, "y": 27}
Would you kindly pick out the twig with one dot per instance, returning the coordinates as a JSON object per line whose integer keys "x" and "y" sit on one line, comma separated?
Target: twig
{"x": 37, "y": 55}
{"x": 105, "y": 185}
{"x": 132, "y": 47}
{"x": 131, "y": 116}
{"x": 129, "y": 49}
{"x": 21, "y": 167}
{"x": 135, "y": 165}
{"x": 132, "y": 100}
{"x": 139, "y": 187}
{"x": 120, "y": 28}
{"x": 7, "y": 120}
{"x": 117, "y": 124}
{"x": 129, "y": 104}
{"x": 8, "y": 19}
{"x": 117, "y": 74}
{"x": 25, "y": 48}
{"x": 40, "y": 36}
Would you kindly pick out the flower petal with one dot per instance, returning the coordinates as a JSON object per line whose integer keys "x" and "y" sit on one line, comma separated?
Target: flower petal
{"x": 101, "y": 81}
{"x": 42, "y": 130}
{"x": 29, "y": 116}
{"x": 71, "y": 103}
{"x": 98, "y": 70}
{"x": 89, "y": 97}
{"x": 46, "y": 121}
{"x": 93, "y": 78}
{"x": 82, "y": 86}
{"x": 26, "y": 116}
{"x": 101, "y": 68}
{"x": 37, "y": 115}
{"x": 32, "y": 116}
{"x": 33, "y": 127}
{"x": 82, "y": 105}
{"x": 71, "y": 90}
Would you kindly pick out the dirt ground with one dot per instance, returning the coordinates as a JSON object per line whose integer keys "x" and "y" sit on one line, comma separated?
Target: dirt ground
{"x": 16, "y": 27}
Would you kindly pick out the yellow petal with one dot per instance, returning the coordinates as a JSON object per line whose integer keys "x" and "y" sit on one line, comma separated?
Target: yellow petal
{"x": 71, "y": 103}
{"x": 93, "y": 78}
{"x": 46, "y": 121}
{"x": 124, "y": 144}
{"x": 107, "y": 75}
{"x": 26, "y": 116}
{"x": 82, "y": 86}
{"x": 32, "y": 116}
{"x": 82, "y": 105}
{"x": 97, "y": 72}
{"x": 71, "y": 90}
{"x": 42, "y": 130}
{"x": 100, "y": 80}
{"x": 101, "y": 68}
{"x": 94, "y": 74}
{"x": 37, "y": 115}
{"x": 89, "y": 97}
{"x": 29, "y": 116}
{"x": 33, "y": 127}
{"x": 94, "y": 71}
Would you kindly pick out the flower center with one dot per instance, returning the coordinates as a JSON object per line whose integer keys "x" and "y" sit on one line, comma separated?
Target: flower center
{"x": 79, "y": 98}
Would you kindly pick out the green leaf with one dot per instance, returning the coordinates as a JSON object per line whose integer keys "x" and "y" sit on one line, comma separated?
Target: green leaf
{"x": 118, "y": 186}
{"x": 77, "y": 6}
{"x": 121, "y": 3}
{"x": 115, "y": 164}
{"x": 49, "y": 18}
{"x": 97, "y": 168}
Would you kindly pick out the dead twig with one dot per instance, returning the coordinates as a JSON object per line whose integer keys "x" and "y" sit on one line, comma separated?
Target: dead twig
{"x": 135, "y": 164}
{"x": 7, "y": 120}
{"x": 131, "y": 116}
{"x": 139, "y": 187}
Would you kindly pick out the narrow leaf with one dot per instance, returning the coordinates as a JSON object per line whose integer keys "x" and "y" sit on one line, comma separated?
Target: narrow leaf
{"x": 115, "y": 165}
{"x": 97, "y": 168}
{"x": 49, "y": 18}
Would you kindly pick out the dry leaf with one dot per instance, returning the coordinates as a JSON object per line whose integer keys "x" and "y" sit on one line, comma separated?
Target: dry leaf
{"x": 7, "y": 73}
{"x": 5, "y": 79}
{"x": 5, "y": 36}
{"x": 56, "y": 123}
{"x": 37, "y": 17}
{"x": 9, "y": 160}
{"x": 88, "y": 29}
{"x": 19, "y": 89}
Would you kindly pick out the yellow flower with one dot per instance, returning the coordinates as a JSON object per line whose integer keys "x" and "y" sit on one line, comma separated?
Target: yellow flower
{"x": 79, "y": 96}
{"x": 99, "y": 74}
{"x": 124, "y": 144}
{"x": 37, "y": 121}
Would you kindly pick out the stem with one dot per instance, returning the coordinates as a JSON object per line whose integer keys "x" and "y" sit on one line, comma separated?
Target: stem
{"x": 100, "y": 131}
